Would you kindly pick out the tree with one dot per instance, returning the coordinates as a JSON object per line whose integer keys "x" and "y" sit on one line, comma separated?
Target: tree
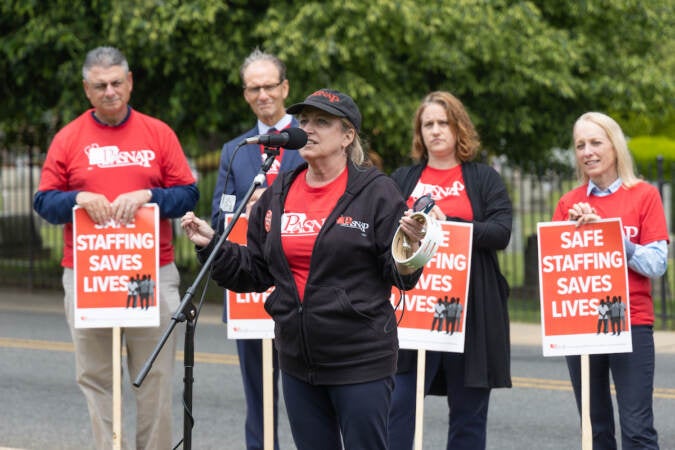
{"x": 184, "y": 57}
{"x": 524, "y": 69}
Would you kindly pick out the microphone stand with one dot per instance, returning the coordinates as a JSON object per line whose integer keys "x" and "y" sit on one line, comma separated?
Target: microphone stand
{"x": 187, "y": 312}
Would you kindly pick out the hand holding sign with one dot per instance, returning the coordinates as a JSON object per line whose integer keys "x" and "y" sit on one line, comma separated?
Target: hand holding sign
{"x": 124, "y": 207}
{"x": 583, "y": 213}
{"x": 97, "y": 206}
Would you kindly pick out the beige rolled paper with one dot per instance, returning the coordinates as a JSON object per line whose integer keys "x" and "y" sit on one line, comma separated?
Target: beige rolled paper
{"x": 433, "y": 236}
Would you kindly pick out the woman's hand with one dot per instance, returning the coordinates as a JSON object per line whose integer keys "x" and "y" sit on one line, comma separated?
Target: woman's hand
{"x": 196, "y": 229}
{"x": 413, "y": 229}
{"x": 413, "y": 232}
{"x": 583, "y": 213}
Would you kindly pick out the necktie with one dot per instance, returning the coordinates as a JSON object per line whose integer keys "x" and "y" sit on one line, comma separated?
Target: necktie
{"x": 274, "y": 169}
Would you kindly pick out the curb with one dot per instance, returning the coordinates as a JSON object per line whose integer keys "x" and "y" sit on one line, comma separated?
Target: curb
{"x": 15, "y": 299}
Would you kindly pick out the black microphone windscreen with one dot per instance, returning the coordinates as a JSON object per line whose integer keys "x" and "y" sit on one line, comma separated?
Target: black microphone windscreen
{"x": 297, "y": 138}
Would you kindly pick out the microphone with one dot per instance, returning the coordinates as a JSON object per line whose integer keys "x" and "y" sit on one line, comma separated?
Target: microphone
{"x": 290, "y": 138}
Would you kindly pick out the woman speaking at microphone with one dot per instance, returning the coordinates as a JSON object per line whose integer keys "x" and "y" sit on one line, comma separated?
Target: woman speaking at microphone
{"x": 322, "y": 236}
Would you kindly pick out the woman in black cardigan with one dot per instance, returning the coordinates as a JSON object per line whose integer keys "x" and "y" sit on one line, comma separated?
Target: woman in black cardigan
{"x": 444, "y": 143}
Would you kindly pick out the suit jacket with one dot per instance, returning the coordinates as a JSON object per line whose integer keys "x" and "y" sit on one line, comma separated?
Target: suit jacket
{"x": 236, "y": 174}
{"x": 244, "y": 167}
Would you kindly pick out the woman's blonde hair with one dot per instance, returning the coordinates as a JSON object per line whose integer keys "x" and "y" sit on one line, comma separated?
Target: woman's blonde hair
{"x": 460, "y": 123}
{"x": 354, "y": 150}
{"x": 624, "y": 161}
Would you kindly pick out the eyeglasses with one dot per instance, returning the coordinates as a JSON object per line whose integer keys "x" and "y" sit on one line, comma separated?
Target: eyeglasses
{"x": 423, "y": 204}
{"x": 255, "y": 90}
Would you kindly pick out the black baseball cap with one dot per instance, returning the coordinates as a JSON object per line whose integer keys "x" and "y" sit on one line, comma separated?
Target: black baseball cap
{"x": 332, "y": 102}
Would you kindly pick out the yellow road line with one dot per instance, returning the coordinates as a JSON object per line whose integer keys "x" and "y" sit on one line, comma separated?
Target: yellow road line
{"x": 35, "y": 344}
{"x": 540, "y": 383}
{"x": 222, "y": 358}
{"x": 565, "y": 385}
{"x": 59, "y": 346}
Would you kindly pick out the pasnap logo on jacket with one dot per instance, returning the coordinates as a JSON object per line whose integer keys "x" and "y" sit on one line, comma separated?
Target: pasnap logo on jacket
{"x": 112, "y": 156}
{"x": 350, "y": 222}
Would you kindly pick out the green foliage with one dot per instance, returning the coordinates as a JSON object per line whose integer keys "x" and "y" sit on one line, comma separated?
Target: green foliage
{"x": 658, "y": 123}
{"x": 524, "y": 69}
{"x": 208, "y": 162}
{"x": 206, "y": 184}
{"x": 184, "y": 57}
{"x": 645, "y": 149}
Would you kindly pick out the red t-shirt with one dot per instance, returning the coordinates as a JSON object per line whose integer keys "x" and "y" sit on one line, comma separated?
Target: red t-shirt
{"x": 643, "y": 221}
{"x": 447, "y": 188}
{"x": 273, "y": 171}
{"x": 141, "y": 153}
{"x": 305, "y": 212}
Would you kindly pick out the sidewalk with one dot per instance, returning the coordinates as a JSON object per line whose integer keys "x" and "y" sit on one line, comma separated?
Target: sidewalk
{"x": 527, "y": 334}
{"x": 530, "y": 334}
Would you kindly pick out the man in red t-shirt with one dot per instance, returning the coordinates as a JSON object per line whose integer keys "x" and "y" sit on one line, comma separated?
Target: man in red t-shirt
{"x": 110, "y": 161}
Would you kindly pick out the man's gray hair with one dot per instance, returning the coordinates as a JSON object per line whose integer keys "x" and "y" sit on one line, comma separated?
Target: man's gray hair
{"x": 104, "y": 57}
{"x": 258, "y": 55}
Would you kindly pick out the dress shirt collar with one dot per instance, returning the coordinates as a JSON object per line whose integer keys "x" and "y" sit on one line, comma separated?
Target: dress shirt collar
{"x": 280, "y": 125}
{"x": 593, "y": 188}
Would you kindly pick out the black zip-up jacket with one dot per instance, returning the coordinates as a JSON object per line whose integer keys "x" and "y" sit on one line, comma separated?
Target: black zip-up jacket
{"x": 344, "y": 330}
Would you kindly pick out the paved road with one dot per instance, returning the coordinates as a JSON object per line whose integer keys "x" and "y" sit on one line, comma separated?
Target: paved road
{"x": 42, "y": 407}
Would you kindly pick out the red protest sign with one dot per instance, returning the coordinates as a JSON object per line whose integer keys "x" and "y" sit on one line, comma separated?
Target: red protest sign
{"x": 582, "y": 277}
{"x": 246, "y": 315}
{"x": 116, "y": 270}
{"x": 432, "y": 315}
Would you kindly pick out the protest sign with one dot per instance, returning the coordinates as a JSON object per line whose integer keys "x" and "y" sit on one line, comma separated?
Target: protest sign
{"x": 246, "y": 315}
{"x": 116, "y": 269}
{"x": 583, "y": 285}
{"x": 432, "y": 315}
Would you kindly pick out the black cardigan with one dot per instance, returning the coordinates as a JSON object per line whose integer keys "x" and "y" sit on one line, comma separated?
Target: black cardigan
{"x": 487, "y": 353}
